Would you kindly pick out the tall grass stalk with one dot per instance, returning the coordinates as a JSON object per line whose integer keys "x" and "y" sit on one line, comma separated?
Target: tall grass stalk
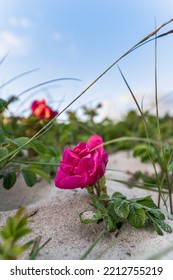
{"x": 148, "y": 137}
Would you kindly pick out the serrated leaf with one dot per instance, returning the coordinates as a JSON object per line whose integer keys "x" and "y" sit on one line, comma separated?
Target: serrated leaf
{"x": 118, "y": 195}
{"x": 29, "y": 177}
{"x": 136, "y": 216}
{"x": 99, "y": 205}
{"x": 38, "y": 146}
{"x": 157, "y": 213}
{"x": 9, "y": 179}
{"x": 90, "y": 216}
{"x": 121, "y": 208}
{"x": 163, "y": 225}
{"x": 111, "y": 212}
{"x": 157, "y": 229}
{"x": 155, "y": 225}
{"x": 146, "y": 201}
{"x": 110, "y": 225}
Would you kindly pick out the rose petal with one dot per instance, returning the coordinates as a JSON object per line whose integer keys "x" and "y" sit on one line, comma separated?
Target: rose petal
{"x": 94, "y": 141}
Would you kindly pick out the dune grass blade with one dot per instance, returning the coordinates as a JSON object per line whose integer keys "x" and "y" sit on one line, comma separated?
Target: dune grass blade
{"x": 18, "y": 76}
{"x": 145, "y": 186}
{"x": 101, "y": 234}
{"x": 36, "y": 249}
{"x": 135, "y": 139}
{"x": 36, "y": 163}
{"x": 3, "y": 58}
{"x": 146, "y": 132}
{"x": 157, "y": 109}
{"x": 14, "y": 153}
{"x": 47, "y": 82}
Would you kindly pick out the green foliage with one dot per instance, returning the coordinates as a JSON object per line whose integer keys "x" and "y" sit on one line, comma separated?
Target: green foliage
{"x": 136, "y": 216}
{"x": 138, "y": 212}
{"x": 90, "y": 216}
{"x": 3, "y": 105}
{"x": 11, "y": 233}
{"x": 29, "y": 177}
{"x": 144, "y": 151}
{"x": 9, "y": 179}
{"x": 11, "y": 236}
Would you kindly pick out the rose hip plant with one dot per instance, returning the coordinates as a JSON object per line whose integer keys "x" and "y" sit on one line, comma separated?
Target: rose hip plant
{"x": 84, "y": 165}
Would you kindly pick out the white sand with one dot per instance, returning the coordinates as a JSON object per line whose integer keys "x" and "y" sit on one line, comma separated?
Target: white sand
{"x": 57, "y": 216}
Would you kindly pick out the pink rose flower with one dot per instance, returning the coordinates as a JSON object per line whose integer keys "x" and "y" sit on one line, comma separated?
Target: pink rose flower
{"x": 81, "y": 167}
{"x": 41, "y": 110}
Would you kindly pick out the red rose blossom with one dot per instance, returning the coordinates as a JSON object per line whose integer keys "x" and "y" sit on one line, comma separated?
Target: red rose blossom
{"x": 81, "y": 167}
{"x": 41, "y": 110}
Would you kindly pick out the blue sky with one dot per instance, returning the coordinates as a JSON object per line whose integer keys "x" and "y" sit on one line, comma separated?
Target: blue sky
{"x": 79, "y": 39}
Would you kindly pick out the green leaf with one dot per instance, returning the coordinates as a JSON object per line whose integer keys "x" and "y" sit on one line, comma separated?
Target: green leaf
{"x": 9, "y": 179}
{"x": 5, "y": 233}
{"x": 21, "y": 232}
{"x": 12, "y": 99}
{"x": 110, "y": 225}
{"x": 121, "y": 208}
{"x": 154, "y": 223}
{"x": 3, "y": 105}
{"x": 40, "y": 172}
{"x": 20, "y": 141}
{"x": 99, "y": 205}
{"x": 136, "y": 216}
{"x": 143, "y": 151}
{"x": 170, "y": 166}
{"x": 90, "y": 216}
{"x": 27, "y": 245}
{"x": 163, "y": 225}
{"x": 111, "y": 212}
{"x": 104, "y": 197}
{"x": 3, "y": 139}
{"x": 157, "y": 213}
{"x": 38, "y": 146}
{"x": 118, "y": 195}
{"x": 22, "y": 222}
{"x": 29, "y": 177}
{"x": 3, "y": 153}
{"x": 146, "y": 201}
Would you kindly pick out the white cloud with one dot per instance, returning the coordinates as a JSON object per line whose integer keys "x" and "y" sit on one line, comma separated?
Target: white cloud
{"x": 9, "y": 42}
{"x": 20, "y": 22}
{"x": 57, "y": 36}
